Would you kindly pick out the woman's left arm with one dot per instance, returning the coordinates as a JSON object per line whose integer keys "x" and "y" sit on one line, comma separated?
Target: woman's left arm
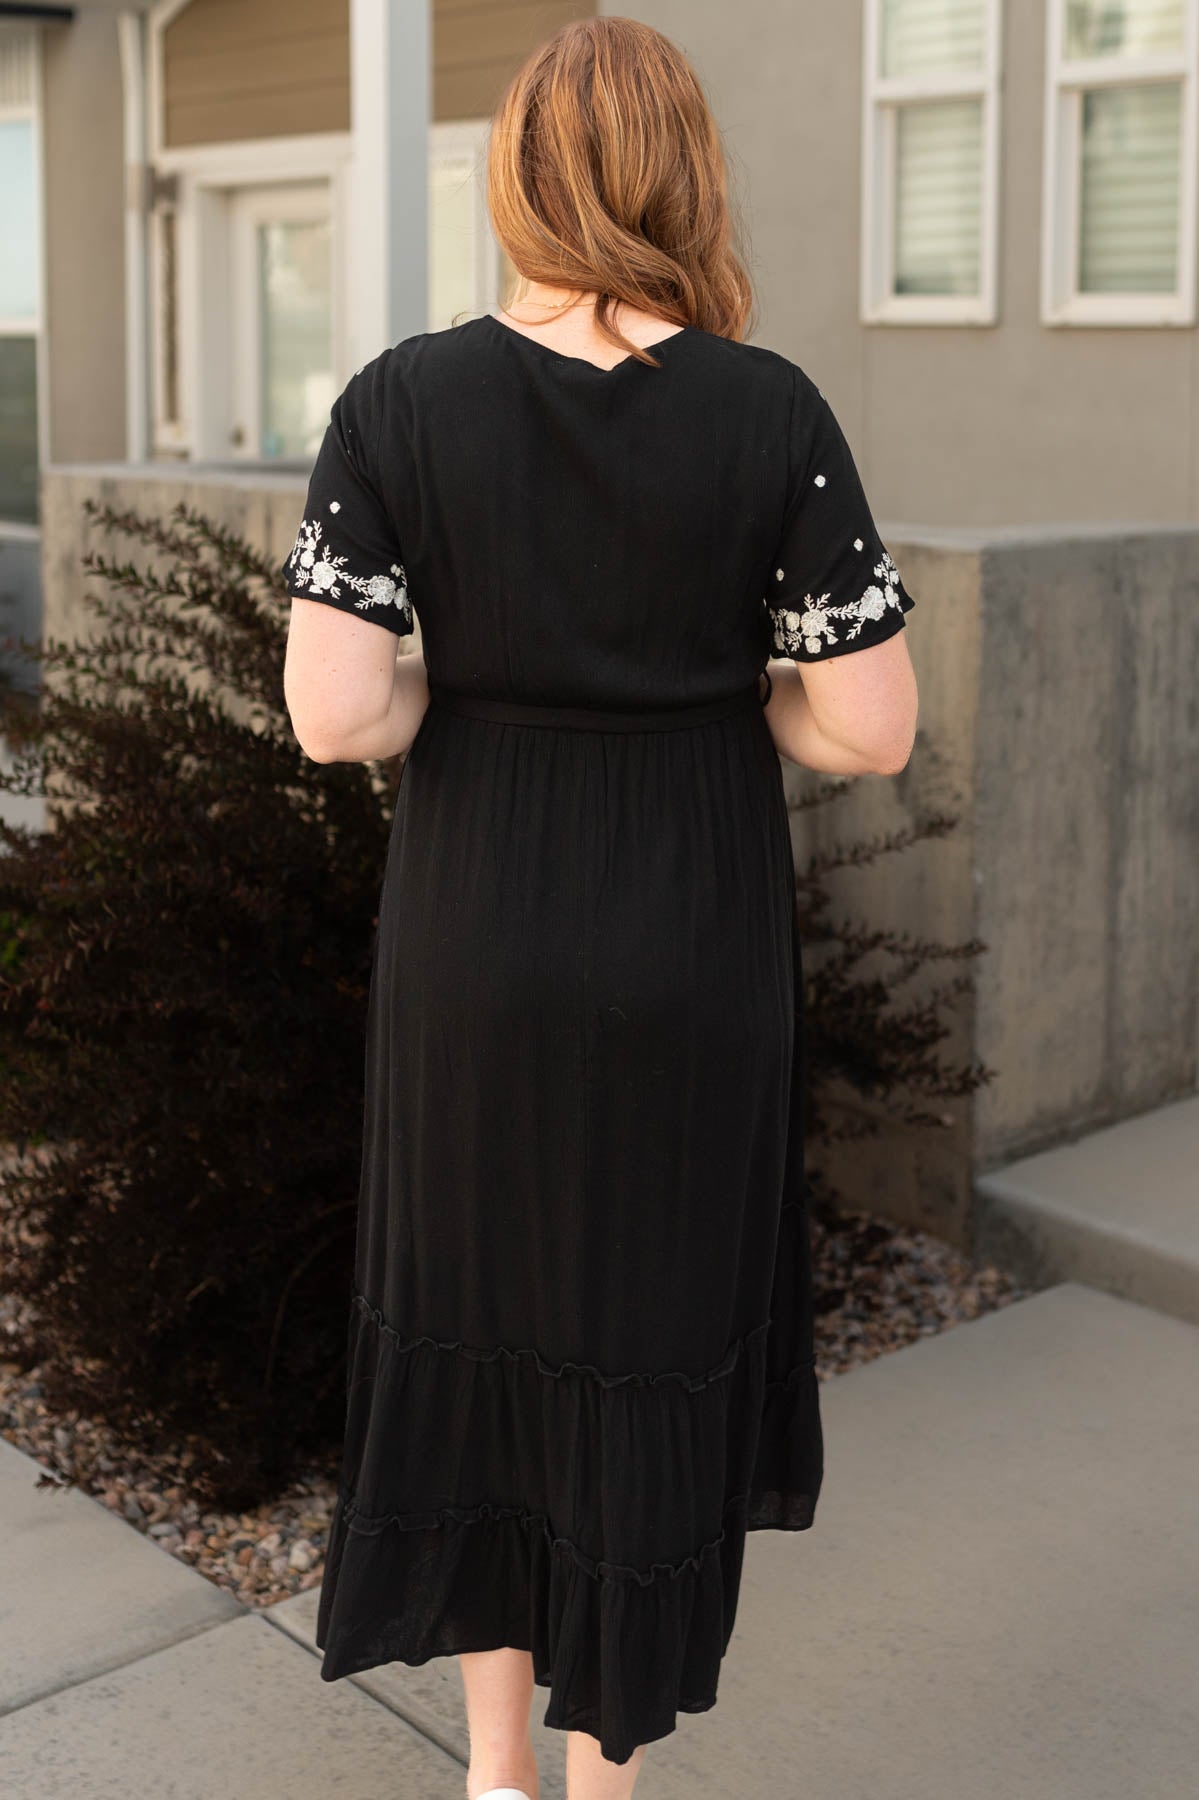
{"x": 349, "y": 696}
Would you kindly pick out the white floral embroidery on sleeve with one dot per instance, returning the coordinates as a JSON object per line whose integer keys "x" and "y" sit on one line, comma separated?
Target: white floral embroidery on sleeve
{"x": 813, "y": 629}
{"x": 325, "y": 573}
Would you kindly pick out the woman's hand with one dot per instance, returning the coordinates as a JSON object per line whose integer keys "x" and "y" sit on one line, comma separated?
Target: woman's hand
{"x": 852, "y": 715}
{"x": 349, "y": 696}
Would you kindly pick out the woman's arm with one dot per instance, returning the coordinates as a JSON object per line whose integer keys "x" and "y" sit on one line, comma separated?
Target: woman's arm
{"x": 349, "y": 696}
{"x": 851, "y": 715}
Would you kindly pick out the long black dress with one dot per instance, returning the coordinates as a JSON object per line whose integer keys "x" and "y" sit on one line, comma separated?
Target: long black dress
{"x": 580, "y": 1329}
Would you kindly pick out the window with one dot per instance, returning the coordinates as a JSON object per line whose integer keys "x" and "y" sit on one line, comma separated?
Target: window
{"x": 20, "y": 278}
{"x": 463, "y": 253}
{"x": 930, "y": 162}
{"x": 1120, "y": 162}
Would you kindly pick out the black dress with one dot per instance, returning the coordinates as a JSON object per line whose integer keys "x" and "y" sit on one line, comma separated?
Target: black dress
{"x": 580, "y": 1328}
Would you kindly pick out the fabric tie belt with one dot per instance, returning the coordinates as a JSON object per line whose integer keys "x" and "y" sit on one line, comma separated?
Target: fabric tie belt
{"x": 586, "y": 718}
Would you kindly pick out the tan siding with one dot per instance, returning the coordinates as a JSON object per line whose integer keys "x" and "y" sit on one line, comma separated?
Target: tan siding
{"x": 299, "y": 109}
{"x": 267, "y": 68}
{"x": 256, "y": 68}
{"x": 478, "y": 45}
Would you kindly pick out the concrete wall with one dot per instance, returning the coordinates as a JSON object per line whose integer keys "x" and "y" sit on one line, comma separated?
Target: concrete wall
{"x": 1087, "y": 809}
{"x": 964, "y": 425}
{"x": 1057, "y": 725}
{"x": 265, "y": 509}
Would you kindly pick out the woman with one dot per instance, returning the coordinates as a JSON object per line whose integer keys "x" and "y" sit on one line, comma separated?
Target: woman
{"x": 580, "y": 1338}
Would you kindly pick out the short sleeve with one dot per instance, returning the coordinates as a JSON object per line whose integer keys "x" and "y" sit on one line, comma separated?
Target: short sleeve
{"x": 346, "y": 552}
{"x": 833, "y": 587}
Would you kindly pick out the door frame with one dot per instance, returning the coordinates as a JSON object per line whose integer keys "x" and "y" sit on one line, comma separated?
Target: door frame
{"x": 202, "y": 182}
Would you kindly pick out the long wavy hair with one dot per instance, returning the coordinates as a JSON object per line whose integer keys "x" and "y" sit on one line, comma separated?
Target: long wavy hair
{"x": 606, "y": 174}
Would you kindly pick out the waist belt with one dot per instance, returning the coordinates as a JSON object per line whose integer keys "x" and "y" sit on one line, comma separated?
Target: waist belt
{"x": 587, "y": 718}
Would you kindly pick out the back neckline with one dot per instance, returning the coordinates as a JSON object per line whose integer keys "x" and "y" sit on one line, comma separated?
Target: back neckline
{"x": 584, "y": 362}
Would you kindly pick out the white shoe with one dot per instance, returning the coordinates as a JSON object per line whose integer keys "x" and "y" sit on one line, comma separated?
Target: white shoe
{"x": 504, "y": 1794}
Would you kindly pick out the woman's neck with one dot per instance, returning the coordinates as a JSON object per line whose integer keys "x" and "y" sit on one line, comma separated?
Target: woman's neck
{"x": 547, "y": 301}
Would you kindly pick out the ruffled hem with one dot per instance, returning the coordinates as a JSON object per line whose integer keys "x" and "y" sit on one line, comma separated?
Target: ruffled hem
{"x": 620, "y": 1658}
{"x": 597, "y": 1521}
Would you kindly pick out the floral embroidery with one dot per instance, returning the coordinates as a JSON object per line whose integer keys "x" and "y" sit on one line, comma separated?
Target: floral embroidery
{"x": 814, "y": 628}
{"x": 325, "y": 573}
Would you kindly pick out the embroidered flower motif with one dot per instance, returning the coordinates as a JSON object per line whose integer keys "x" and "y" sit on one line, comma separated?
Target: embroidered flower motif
{"x": 887, "y": 571}
{"x": 815, "y": 623}
{"x": 318, "y": 568}
{"x": 815, "y": 628}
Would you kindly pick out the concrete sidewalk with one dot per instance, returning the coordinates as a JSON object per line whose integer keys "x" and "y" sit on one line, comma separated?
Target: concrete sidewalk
{"x": 1000, "y": 1597}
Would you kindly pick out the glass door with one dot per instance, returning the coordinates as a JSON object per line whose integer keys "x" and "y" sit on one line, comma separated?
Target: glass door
{"x": 283, "y": 349}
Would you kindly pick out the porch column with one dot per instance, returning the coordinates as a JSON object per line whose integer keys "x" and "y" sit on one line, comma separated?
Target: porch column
{"x": 390, "y": 104}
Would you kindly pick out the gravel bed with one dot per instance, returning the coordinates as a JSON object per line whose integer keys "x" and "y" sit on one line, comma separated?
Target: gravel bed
{"x": 880, "y": 1287}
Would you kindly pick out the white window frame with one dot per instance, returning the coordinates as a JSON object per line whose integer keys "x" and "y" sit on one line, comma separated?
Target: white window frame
{"x": 1066, "y": 80}
{"x": 205, "y": 176}
{"x": 879, "y": 304}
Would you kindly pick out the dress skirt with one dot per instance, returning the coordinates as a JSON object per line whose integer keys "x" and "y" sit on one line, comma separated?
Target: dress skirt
{"x": 580, "y": 1350}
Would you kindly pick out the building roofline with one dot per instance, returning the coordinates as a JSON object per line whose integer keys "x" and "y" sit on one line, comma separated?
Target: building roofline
{"x": 66, "y": 13}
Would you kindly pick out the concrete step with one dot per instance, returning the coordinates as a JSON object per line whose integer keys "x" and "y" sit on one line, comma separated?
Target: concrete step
{"x": 1117, "y": 1209}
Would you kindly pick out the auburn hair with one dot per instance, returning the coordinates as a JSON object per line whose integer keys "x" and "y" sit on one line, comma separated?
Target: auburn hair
{"x": 606, "y": 173}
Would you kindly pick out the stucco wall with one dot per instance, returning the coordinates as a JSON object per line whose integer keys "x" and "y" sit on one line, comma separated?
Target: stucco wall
{"x": 966, "y": 425}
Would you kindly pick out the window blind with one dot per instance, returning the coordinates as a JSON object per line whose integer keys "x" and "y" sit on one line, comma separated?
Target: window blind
{"x": 1130, "y": 189}
{"x": 938, "y": 197}
{"x": 920, "y": 37}
{"x": 1124, "y": 27}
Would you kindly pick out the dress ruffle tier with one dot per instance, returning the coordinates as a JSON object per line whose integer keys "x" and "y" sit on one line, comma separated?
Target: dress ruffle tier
{"x": 596, "y": 1520}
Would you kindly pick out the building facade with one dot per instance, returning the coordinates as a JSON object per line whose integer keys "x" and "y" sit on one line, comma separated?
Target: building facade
{"x": 973, "y": 220}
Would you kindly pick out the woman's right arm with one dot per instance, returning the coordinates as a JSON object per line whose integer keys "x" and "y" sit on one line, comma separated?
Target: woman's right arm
{"x": 851, "y": 715}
